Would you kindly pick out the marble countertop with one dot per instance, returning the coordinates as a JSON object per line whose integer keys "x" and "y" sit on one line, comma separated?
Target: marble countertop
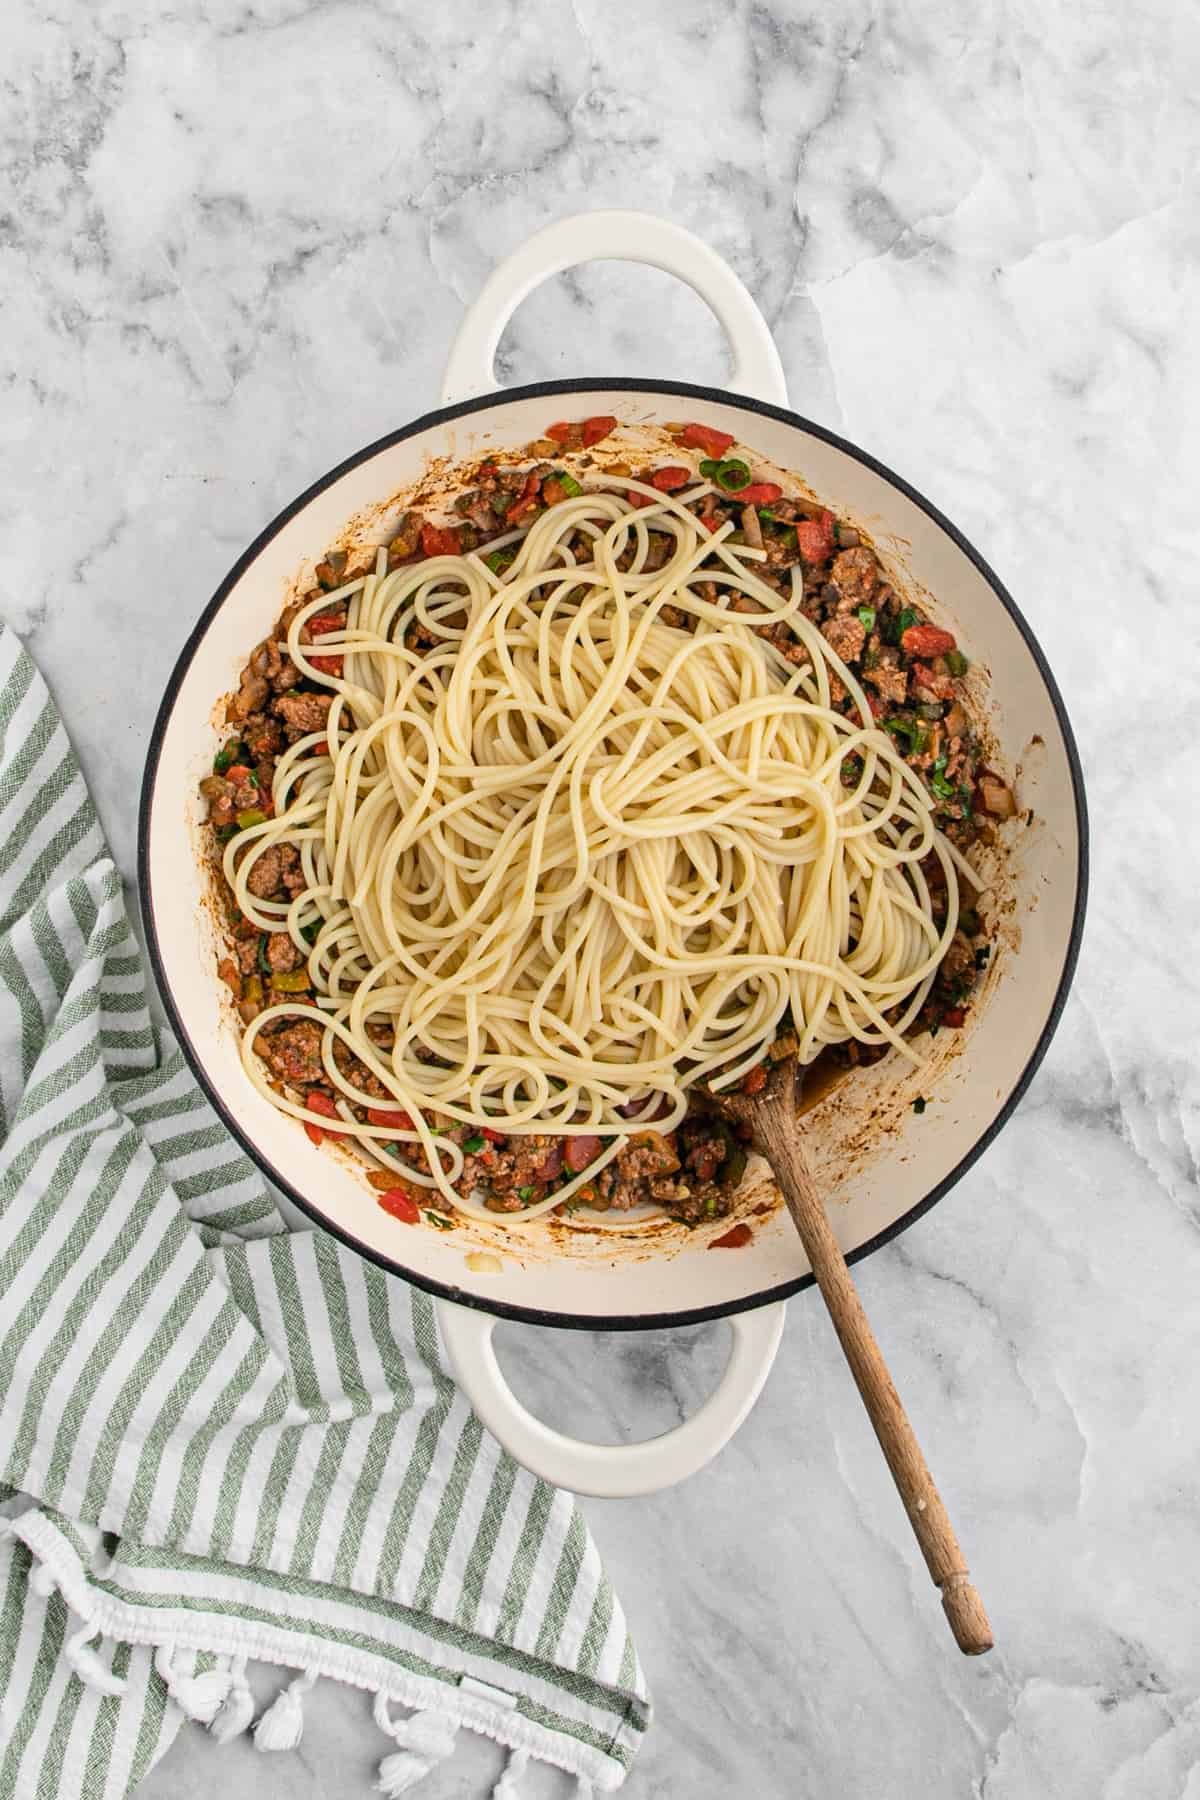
{"x": 236, "y": 241}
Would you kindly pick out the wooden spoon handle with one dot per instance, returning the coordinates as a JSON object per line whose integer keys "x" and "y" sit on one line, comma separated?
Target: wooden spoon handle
{"x": 928, "y": 1517}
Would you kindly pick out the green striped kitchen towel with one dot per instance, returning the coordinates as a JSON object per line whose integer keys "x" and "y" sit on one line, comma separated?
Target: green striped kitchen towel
{"x": 220, "y": 1440}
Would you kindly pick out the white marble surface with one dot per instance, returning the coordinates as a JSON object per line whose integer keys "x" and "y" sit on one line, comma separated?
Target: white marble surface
{"x": 235, "y": 240}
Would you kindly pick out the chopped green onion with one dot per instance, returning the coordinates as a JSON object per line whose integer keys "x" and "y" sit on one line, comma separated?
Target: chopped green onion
{"x": 525, "y": 1193}
{"x": 919, "y": 1104}
{"x": 251, "y": 815}
{"x": 225, "y": 832}
{"x": 866, "y": 617}
{"x": 473, "y": 1145}
{"x": 263, "y": 964}
{"x": 499, "y": 560}
{"x": 234, "y": 752}
{"x": 710, "y": 469}
{"x": 908, "y": 617}
{"x": 956, "y": 662}
{"x": 295, "y": 982}
{"x": 309, "y": 932}
{"x": 733, "y": 476}
{"x": 568, "y": 484}
{"x": 767, "y": 516}
{"x": 710, "y": 1207}
{"x": 945, "y": 790}
{"x": 438, "y": 1219}
{"x": 904, "y": 730}
{"x": 852, "y": 768}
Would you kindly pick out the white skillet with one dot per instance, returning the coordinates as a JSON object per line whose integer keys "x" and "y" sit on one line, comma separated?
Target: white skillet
{"x": 884, "y": 1163}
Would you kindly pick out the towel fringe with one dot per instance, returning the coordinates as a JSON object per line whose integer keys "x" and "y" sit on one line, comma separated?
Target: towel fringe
{"x": 94, "y": 1673}
{"x": 220, "y": 1697}
{"x": 506, "y": 1788}
{"x": 282, "y": 1725}
{"x": 426, "y": 1739}
{"x": 237, "y": 1708}
{"x": 199, "y": 1696}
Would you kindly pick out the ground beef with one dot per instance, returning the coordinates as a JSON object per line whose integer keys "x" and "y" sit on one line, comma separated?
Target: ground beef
{"x": 282, "y": 954}
{"x": 855, "y": 574}
{"x": 891, "y": 684}
{"x": 959, "y": 960}
{"x": 246, "y": 951}
{"x": 845, "y": 637}
{"x": 263, "y": 879}
{"x": 506, "y": 1168}
{"x": 275, "y": 666}
{"x": 262, "y": 735}
{"x": 291, "y": 872}
{"x": 358, "y": 1074}
{"x": 303, "y": 714}
{"x": 294, "y": 1054}
{"x": 250, "y": 696}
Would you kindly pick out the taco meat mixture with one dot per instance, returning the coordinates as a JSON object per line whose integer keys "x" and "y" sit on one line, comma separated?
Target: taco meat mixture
{"x": 912, "y": 672}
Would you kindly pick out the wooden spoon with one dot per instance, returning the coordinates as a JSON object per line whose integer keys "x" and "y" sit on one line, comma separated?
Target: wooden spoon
{"x": 770, "y": 1117}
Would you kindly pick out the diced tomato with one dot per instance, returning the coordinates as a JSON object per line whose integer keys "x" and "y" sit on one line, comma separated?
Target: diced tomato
{"x": 315, "y": 1134}
{"x": 493, "y": 1137}
{"x": 636, "y": 499}
{"x": 387, "y": 1115}
{"x": 927, "y": 641}
{"x": 734, "y": 1238}
{"x": 754, "y": 1080}
{"x": 703, "y": 437}
{"x": 955, "y": 1017}
{"x": 596, "y": 428}
{"x": 580, "y": 1151}
{"x": 529, "y": 496}
{"x": 553, "y": 491}
{"x": 401, "y": 1206}
{"x": 439, "y": 540}
{"x": 551, "y": 1164}
{"x": 670, "y": 478}
{"x": 711, "y": 522}
{"x": 239, "y": 773}
{"x": 814, "y": 538}
{"x": 328, "y": 665}
{"x": 321, "y": 749}
{"x": 759, "y": 493}
{"x": 318, "y": 1102}
{"x": 706, "y": 1167}
{"x": 561, "y": 431}
{"x": 320, "y": 623}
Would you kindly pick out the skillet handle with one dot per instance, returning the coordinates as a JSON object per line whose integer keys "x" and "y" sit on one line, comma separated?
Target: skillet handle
{"x": 611, "y": 1471}
{"x": 617, "y": 237}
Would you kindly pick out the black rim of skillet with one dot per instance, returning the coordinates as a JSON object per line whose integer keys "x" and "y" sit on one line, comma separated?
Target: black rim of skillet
{"x": 535, "y": 390}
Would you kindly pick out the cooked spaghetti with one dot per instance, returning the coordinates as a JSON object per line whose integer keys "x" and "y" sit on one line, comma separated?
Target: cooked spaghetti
{"x": 592, "y": 843}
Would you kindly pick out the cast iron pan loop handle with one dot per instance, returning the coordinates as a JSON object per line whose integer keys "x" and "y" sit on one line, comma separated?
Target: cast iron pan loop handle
{"x": 614, "y": 237}
{"x": 611, "y": 1471}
